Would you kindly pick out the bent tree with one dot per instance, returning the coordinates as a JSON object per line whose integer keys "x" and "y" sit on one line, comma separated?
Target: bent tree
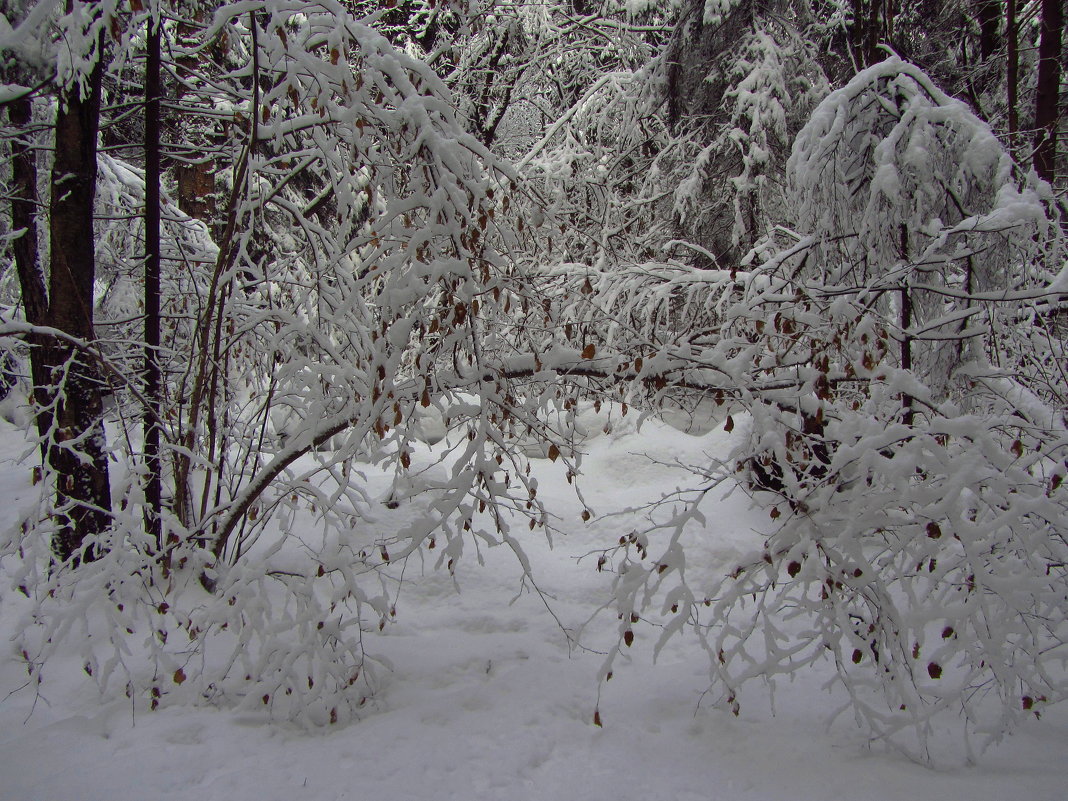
{"x": 899, "y": 360}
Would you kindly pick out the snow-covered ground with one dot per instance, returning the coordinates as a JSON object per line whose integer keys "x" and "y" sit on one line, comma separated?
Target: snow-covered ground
{"x": 488, "y": 700}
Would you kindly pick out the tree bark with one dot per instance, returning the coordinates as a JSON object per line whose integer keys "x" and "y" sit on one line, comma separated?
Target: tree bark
{"x": 27, "y": 263}
{"x": 1012, "y": 72}
{"x": 154, "y": 483}
{"x": 195, "y": 171}
{"x": 870, "y": 25}
{"x": 907, "y": 413}
{"x": 79, "y": 456}
{"x": 987, "y": 13}
{"x": 1047, "y": 111}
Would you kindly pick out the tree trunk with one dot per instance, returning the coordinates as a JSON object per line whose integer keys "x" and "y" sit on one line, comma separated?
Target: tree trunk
{"x": 987, "y": 13}
{"x": 79, "y": 458}
{"x": 1047, "y": 112}
{"x": 856, "y": 32}
{"x": 869, "y": 27}
{"x": 27, "y": 263}
{"x": 154, "y": 483}
{"x": 194, "y": 171}
{"x": 1012, "y": 73}
{"x": 907, "y": 414}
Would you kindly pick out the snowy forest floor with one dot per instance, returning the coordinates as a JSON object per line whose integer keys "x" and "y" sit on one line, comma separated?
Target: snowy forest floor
{"x": 485, "y": 698}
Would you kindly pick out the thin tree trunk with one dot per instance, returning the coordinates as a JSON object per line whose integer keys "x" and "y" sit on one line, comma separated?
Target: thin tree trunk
{"x": 1047, "y": 111}
{"x": 907, "y": 413}
{"x": 79, "y": 456}
{"x": 1012, "y": 73}
{"x": 154, "y": 484}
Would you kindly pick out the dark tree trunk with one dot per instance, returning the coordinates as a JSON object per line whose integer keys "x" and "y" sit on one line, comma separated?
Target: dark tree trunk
{"x": 871, "y": 35}
{"x": 870, "y": 27}
{"x": 154, "y": 484}
{"x": 907, "y": 414}
{"x": 79, "y": 456}
{"x": 25, "y": 249}
{"x": 1012, "y": 72}
{"x": 987, "y": 13}
{"x": 856, "y": 32}
{"x": 24, "y": 216}
{"x": 1047, "y": 111}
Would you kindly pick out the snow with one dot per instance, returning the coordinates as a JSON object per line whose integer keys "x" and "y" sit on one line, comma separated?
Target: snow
{"x": 716, "y": 10}
{"x": 12, "y": 91}
{"x": 487, "y": 698}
